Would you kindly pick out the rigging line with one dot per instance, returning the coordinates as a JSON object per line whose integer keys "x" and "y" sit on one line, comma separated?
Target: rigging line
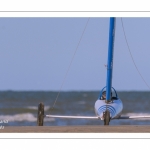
{"x": 132, "y": 55}
{"x": 70, "y": 63}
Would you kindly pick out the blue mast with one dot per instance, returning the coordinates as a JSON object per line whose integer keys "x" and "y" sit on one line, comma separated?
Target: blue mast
{"x": 110, "y": 59}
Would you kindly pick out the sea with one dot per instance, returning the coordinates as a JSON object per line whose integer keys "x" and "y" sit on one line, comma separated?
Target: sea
{"x": 19, "y": 108}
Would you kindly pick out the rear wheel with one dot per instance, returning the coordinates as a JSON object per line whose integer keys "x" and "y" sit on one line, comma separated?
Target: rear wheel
{"x": 106, "y": 117}
{"x": 40, "y": 115}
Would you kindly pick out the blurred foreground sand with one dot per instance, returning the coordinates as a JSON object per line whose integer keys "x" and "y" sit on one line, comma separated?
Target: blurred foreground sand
{"x": 76, "y": 129}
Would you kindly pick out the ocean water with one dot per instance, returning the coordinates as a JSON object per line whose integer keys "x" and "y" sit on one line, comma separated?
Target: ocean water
{"x": 20, "y": 108}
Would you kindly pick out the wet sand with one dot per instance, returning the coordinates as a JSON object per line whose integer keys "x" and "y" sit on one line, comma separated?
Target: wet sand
{"x": 76, "y": 129}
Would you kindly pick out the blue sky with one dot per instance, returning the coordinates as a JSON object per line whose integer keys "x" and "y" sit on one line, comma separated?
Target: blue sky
{"x": 36, "y": 53}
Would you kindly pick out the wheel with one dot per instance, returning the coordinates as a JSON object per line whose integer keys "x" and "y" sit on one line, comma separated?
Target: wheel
{"x": 40, "y": 115}
{"x": 106, "y": 117}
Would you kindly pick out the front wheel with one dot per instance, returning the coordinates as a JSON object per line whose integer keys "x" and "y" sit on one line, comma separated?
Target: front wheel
{"x": 106, "y": 117}
{"x": 40, "y": 115}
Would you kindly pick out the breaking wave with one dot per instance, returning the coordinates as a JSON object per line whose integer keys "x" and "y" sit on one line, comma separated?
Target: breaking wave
{"x": 23, "y": 117}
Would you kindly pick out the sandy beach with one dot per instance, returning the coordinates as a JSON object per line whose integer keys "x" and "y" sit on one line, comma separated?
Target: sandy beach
{"x": 76, "y": 129}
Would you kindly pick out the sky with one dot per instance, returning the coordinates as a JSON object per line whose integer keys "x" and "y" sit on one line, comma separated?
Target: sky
{"x": 38, "y": 54}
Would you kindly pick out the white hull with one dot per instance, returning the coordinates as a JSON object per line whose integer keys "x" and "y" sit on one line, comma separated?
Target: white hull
{"x": 115, "y": 108}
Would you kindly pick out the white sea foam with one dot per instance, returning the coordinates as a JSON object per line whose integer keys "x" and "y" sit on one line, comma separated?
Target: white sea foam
{"x": 138, "y": 114}
{"x": 22, "y": 117}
